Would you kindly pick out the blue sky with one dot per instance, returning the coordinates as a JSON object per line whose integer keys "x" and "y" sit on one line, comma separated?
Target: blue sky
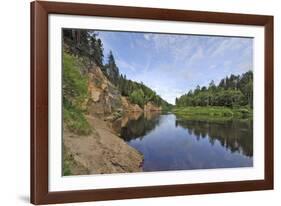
{"x": 173, "y": 64}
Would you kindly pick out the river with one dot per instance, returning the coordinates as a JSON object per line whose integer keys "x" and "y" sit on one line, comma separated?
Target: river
{"x": 169, "y": 142}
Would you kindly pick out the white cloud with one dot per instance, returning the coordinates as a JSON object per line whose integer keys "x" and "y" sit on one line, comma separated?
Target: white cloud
{"x": 219, "y": 48}
{"x": 125, "y": 65}
{"x": 213, "y": 66}
{"x": 147, "y": 36}
{"x": 197, "y": 55}
{"x": 173, "y": 64}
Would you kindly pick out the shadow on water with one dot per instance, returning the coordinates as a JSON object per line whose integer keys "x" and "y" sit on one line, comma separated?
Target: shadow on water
{"x": 169, "y": 142}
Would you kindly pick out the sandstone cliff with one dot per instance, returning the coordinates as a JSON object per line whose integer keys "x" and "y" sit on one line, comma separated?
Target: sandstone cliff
{"x": 105, "y": 99}
{"x": 104, "y": 96}
{"x": 151, "y": 107}
{"x": 103, "y": 151}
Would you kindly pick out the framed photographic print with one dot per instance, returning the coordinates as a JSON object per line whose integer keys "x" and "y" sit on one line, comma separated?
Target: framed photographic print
{"x": 131, "y": 102}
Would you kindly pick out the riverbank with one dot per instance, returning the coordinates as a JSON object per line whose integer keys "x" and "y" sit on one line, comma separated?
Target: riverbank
{"x": 213, "y": 112}
{"x": 100, "y": 152}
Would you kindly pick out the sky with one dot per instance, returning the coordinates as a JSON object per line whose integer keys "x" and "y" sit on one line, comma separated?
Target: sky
{"x": 172, "y": 64}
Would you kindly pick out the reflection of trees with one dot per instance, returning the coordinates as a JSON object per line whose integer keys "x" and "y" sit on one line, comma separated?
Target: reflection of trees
{"x": 236, "y": 135}
{"x": 133, "y": 126}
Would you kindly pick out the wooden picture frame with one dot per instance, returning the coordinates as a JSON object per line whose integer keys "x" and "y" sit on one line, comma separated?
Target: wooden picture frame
{"x": 39, "y": 102}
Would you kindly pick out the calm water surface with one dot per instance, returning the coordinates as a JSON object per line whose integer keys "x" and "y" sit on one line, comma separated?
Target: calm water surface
{"x": 172, "y": 143}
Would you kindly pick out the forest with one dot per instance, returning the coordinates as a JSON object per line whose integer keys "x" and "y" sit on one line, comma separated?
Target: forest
{"x": 232, "y": 97}
{"x": 104, "y": 110}
{"x": 232, "y": 91}
{"x": 88, "y": 47}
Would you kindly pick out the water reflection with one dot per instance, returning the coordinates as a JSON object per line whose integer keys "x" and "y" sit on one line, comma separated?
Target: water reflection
{"x": 172, "y": 143}
{"x": 137, "y": 124}
{"x": 236, "y": 135}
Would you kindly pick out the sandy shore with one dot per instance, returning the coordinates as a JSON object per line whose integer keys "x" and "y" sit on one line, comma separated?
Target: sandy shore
{"x": 101, "y": 152}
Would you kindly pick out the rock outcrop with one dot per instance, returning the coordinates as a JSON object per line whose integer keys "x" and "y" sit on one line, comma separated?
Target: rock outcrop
{"x": 151, "y": 107}
{"x": 129, "y": 107}
{"x": 105, "y": 98}
{"x": 102, "y": 151}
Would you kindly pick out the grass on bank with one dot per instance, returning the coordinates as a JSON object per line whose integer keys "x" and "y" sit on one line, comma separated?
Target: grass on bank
{"x": 75, "y": 120}
{"x": 70, "y": 166}
{"x": 75, "y": 91}
{"x": 214, "y": 112}
{"x": 67, "y": 161}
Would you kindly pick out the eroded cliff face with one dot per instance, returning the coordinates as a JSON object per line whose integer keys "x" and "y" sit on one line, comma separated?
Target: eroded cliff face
{"x": 151, "y": 107}
{"x": 103, "y": 151}
{"x": 129, "y": 107}
{"x": 104, "y": 97}
{"x": 106, "y": 100}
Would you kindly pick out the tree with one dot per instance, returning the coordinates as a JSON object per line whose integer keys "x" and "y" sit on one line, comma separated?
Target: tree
{"x": 137, "y": 97}
{"x": 233, "y": 91}
{"x": 99, "y": 53}
{"x": 203, "y": 89}
{"x": 92, "y": 50}
{"x": 197, "y": 90}
{"x": 112, "y": 71}
{"x": 212, "y": 86}
{"x": 86, "y": 45}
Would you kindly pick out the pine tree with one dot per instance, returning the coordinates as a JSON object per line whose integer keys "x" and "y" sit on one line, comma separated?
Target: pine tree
{"x": 99, "y": 53}
{"x": 112, "y": 70}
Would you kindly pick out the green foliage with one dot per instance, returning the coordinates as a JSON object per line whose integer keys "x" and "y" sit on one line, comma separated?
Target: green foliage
{"x": 140, "y": 94}
{"x": 75, "y": 85}
{"x": 66, "y": 168}
{"x": 111, "y": 70}
{"x": 96, "y": 51}
{"x": 75, "y": 120}
{"x": 74, "y": 94}
{"x": 70, "y": 165}
{"x": 212, "y": 112}
{"x": 205, "y": 111}
{"x": 232, "y": 92}
{"x": 137, "y": 97}
{"x": 85, "y": 45}
{"x": 67, "y": 162}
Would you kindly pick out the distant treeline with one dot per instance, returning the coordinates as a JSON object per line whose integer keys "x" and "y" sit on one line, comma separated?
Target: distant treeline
{"x": 87, "y": 46}
{"x": 232, "y": 91}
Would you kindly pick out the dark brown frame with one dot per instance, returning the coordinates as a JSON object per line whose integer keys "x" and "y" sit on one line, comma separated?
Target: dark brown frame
{"x": 39, "y": 102}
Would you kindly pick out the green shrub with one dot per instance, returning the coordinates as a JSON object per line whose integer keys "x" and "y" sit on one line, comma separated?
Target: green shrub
{"x": 137, "y": 97}
{"x": 75, "y": 92}
{"x": 75, "y": 84}
{"x": 66, "y": 168}
{"x": 75, "y": 120}
{"x": 215, "y": 112}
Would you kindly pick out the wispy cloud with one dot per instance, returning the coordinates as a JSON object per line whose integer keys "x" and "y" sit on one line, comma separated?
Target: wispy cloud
{"x": 125, "y": 65}
{"x": 173, "y": 64}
